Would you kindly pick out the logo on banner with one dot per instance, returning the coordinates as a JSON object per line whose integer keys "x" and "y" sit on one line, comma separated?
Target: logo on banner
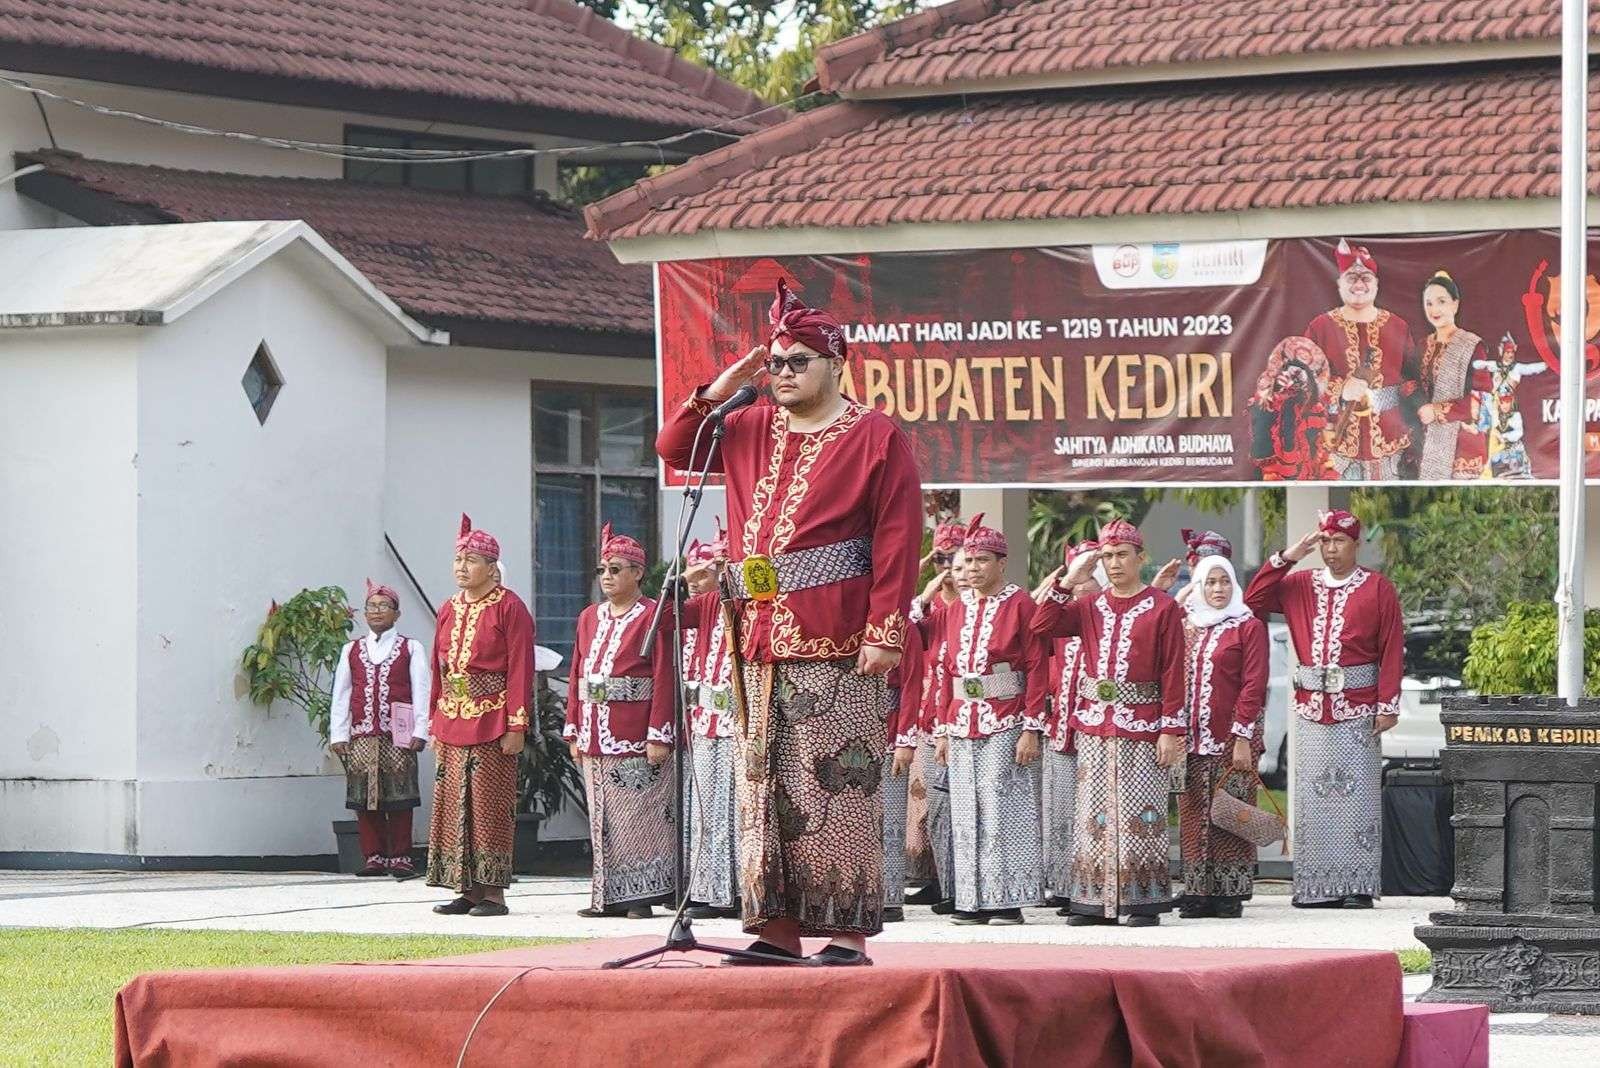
{"x": 1164, "y": 261}
{"x": 1541, "y": 304}
{"x": 1126, "y": 261}
{"x": 1175, "y": 264}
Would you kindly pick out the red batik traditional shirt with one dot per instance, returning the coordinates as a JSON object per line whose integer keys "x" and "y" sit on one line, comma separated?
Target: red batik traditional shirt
{"x": 990, "y": 636}
{"x": 606, "y": 714}
{"x": 788, "y": 492}
{"x": 1349, "y": 623}
{"x": 906, "y": 683}
{"x": 1137, "y": 640}
{"x": 1066, "y": 669}
{"x": 1228, "y": 667}
{"x": 482, "y": 668}
{"x": 1383, "y": 347}
{"x": 711, "y": 680}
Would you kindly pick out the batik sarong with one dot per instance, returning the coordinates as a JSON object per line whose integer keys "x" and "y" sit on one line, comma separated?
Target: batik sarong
{"x": 994, "y": 814}
{"x": 474, "y": 816}
{"x": 936, "y": 784}
{"x": 1120, "y": 864}
{"x": 1060, "y": 822}
{"x": 630, "y": 830}
{"x": 811, "y": 819}
{"x": 1216, "y": 864}
{"x": 713, "y": 821}
{"x": 380, "y": 776}
{"x": 894, "y": 837}
{"x": 1338, "y": 838}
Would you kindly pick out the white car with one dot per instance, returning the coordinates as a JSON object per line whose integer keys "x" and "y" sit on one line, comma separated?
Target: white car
{"x": 1418, "y": 735}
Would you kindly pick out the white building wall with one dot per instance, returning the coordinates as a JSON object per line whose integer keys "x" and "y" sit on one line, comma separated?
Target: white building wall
{"x": 68, "y": 456}
{"x": 232, "y": 514}
{"x": 461, "y": 440}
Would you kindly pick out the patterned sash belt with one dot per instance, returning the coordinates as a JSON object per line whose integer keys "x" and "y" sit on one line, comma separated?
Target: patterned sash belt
{"x": 1337, "y": 678}
{"x": 806, "y": 568}
{"x": 598, "y": 690}
{"x": 996, "y": 686}
{"x": 1385, "y": 398}
{"x": 714, "y": 698}
{"x": 1119, "y": 692}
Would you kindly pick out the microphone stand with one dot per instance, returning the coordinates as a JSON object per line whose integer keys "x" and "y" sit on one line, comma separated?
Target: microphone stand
{"x": 681, "y": 937}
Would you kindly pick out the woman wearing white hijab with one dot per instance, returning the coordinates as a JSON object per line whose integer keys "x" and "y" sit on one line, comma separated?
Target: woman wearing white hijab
{"x": 1227, "y": 684}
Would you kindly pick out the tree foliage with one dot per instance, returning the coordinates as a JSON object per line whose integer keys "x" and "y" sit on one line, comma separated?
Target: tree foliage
{"x": 767, "y": 46}
{"x": 296, "y": 650}
{"x": 1459, "y": 557}
{"x": 1517, "y": 653}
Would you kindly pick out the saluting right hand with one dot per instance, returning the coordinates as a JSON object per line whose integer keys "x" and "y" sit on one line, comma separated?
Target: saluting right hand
{"x": 1167, "y": 577}
{"x": 935, "y": 584}
{"x": 1041, "y": 591}
{"x": 1302, "y": 548}
{"x": 1079, "y": 572}
{"x": 737, "y": 374}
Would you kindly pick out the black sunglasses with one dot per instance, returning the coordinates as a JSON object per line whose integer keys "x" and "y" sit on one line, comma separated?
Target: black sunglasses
{"x": 611, "y": 569}
{"x": 796, "y": 364}
{"x": 944, "y": 559}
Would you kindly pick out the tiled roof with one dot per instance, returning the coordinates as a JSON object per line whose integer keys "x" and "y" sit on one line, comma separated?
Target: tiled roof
{"x": 996, "y": 40}
{"x": 1416, "y": 135}
{"x": 545, "y": 55}
{"x": 447, "y": 258}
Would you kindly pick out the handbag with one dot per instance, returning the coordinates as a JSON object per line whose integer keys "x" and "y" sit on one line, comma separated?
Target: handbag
{"x": 1250, "y": 822}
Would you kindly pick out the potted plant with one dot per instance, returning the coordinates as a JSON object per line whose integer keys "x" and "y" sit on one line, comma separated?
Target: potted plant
{"x": 293, "y": 659}
{"x": 547, "y": 778}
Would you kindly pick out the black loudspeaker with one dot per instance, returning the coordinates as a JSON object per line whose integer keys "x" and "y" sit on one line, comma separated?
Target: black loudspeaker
{"x": 1419, "y": 847}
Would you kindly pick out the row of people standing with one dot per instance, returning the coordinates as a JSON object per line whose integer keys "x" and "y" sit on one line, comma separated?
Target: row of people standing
{"x": 1137, "y": 684}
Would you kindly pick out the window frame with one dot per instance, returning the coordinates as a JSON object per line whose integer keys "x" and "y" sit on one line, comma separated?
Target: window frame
{"x": 594, "y": 473}
{"x": 409, "y": 137}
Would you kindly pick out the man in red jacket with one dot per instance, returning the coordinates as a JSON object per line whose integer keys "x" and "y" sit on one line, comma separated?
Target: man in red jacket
{"x": 1349, "y": 640}
{"x": 825, "y": 518}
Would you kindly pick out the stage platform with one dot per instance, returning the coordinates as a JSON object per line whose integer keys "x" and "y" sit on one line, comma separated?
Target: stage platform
{"x": 981, "y": 1004}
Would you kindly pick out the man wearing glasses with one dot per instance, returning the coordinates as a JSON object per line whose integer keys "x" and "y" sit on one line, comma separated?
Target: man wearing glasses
{"x": 825, "y": 516}
{"x": 619, "y": 728}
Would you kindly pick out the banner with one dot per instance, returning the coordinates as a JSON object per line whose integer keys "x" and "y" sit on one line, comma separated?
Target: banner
{"x": 1398, "y": 360}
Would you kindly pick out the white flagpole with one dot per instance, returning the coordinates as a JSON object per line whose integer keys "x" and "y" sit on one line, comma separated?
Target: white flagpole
{"x": 1574, "y": 272}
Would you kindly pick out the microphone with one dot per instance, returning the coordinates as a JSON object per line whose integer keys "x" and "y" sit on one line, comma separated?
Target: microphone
{"x": 743, "y": 397}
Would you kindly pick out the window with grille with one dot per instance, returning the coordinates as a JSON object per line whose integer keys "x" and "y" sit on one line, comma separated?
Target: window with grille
{"x": 594, "y": 463}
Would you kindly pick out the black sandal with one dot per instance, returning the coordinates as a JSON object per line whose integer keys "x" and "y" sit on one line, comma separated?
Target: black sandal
{"x": 766, "y": 949}
{"x": 459, "y": 907}
{"x": 840, "y": 957}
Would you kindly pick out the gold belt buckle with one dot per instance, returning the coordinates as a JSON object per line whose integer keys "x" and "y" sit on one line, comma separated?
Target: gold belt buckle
{"x": 760, "y": 577}
{"x": 972, "y": 687}
{"x": 1106, "y": 690}
{"x": 595, "y": 688}
{"x": 458, "y": 685}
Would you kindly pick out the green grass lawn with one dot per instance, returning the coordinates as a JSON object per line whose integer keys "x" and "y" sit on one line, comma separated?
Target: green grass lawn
{"x": 57, "y": 986}
{"x": 1415, "y": 961}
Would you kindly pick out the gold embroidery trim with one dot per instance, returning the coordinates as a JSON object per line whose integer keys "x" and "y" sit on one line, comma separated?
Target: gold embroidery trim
{"x": 519, "y": 718}
{"x": 788, "y": 641}
{"x": 890, "y": 634}
{"x": 463, "y": 634}
{"x": 1350, "y": 443}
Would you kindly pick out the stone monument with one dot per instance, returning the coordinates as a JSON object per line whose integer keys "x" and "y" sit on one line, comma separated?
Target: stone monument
{"x": 1524, "y": 935}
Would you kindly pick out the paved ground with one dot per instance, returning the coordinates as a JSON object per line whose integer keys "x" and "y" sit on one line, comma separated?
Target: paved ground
{"x": 546, "y": 906}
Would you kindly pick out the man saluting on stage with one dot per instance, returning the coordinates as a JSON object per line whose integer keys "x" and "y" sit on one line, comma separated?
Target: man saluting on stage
{"x": 825, "y": 523}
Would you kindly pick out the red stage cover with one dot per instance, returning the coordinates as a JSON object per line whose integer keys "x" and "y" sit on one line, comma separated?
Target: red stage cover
{"x": 1196, "y": 363}
{"x": 1015, "y": 1005}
